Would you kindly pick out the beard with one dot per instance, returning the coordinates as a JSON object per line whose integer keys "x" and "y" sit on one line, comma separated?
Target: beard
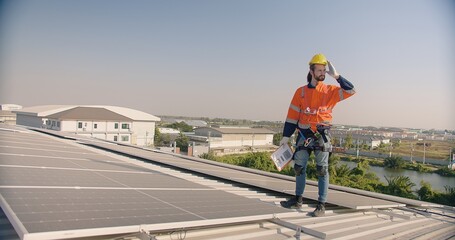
{"x": 320, "y": 78}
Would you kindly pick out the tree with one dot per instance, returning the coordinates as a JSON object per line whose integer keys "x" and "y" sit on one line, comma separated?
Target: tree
{"x": 396, "y": 143}
{"x": 394, "y": 162}
{"x": 333, "y": 163}
{"x": 182, "y": 142}
{"x": 181, "y": 126}
{"x": 400, "y": 186}
{"x": 425, "y": 193}
{"x": 258, "y": 160}
{"x": 342, "y": 171}
{"x": 166, "y": 139}
{"x": 158, "y": 138}
{"x": 361, "y": 168}
{"x": 277, "y": 138}
{"x": 348, "y": 141}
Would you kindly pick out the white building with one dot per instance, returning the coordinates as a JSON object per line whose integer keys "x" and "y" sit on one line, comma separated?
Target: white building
{"x": 10, "y": 107}
{"x": 225, "y": 140}
{"x": 358, "y": 139}
{"x": 103, "y": 122}
{"x": 164, "y": 130}
{"x": 6, "y": 114}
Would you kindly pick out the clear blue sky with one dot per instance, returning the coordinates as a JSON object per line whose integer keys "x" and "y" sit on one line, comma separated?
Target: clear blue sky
{"x": 232, "y": 59}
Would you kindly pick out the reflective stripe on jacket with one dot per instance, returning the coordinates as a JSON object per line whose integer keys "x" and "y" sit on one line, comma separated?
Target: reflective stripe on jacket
{"x": 312, "y": 106}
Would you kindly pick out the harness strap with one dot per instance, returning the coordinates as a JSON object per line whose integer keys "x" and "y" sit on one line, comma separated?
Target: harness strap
{"x": 300, "y": 148}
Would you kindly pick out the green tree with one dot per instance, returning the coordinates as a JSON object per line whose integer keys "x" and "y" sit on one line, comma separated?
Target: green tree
{"x": 181, "y": 126}
{"x": 348, "y": 141}
{"x": 449, "y": 196}
{"x": 425, "y": 193}
{"x": 277, "y": 138}
{"x": 394, "y": 162}
{"x": 182, "y": 142}
{"x": 258, "y": 160}
{"x": 166, "y": 139}
{"x": 361, "y": 168}
{"x": 342, "y": 171}
{"x": 158, "y": 138}
{"x": 400, "y": 186}
{"x": 396, "y": 143}
{"x": 333, "y": 163}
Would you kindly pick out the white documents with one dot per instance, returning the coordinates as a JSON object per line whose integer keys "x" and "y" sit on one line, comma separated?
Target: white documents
{"x": 282, "y": 156}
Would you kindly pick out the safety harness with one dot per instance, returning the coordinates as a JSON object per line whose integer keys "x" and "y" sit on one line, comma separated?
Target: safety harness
{"x": 312, "y": 136}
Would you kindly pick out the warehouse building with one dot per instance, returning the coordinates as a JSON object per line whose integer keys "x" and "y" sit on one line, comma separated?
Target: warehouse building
{"x": 104, "y": 122}
{"x": 228, "y": 140}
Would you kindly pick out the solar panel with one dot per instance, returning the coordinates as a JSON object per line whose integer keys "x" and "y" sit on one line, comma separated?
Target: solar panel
{"x": 357, "y": 199}
{"x": 51, "y": 189}
{"x": 251, "y": 178}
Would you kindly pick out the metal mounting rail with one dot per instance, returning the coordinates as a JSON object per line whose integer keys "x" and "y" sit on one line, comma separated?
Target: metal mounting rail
{"x": 296, "y": 227}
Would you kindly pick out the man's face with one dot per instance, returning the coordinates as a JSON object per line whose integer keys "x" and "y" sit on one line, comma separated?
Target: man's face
{"x": 319, "y": 72}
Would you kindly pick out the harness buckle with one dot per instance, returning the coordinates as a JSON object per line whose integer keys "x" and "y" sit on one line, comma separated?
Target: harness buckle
{"x": 307, "y": 142}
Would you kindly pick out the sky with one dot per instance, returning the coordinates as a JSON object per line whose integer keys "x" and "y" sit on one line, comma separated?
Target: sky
{"x": 232, "y": 59}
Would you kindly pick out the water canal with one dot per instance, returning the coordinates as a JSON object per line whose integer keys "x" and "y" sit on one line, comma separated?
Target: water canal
{"x": 437, "y": 181}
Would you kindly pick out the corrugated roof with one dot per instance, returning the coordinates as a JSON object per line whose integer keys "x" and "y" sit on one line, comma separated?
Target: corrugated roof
{"x": 240, "y": 130}
{"x": 88, "y": 113}
{"x": 46, "y": 110}
{"x": 135, "y": 115}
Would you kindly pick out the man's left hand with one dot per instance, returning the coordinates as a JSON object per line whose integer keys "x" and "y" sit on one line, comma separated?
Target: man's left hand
{"x": 332, "y": 71}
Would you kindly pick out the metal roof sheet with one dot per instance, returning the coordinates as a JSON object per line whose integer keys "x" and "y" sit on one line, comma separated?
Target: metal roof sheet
{"x": 46, "y": 110}
{"x": 88, "y": 113}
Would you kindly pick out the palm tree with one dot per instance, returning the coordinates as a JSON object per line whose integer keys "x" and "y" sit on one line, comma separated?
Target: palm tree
{"x": 400, "y": 186}
{"x": 394, "y": 162}
{"x": 342, "y": 171}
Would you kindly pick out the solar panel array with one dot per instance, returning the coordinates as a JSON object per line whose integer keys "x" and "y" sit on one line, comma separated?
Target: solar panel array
{"x": 342, "y": 196}
{"x": 245, "y": 176}
{"x": 53, "y": 189}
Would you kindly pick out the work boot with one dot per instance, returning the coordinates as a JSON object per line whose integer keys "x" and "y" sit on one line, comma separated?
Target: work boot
{"x": 320, "y": 210}
{"x": 294, "y": 202}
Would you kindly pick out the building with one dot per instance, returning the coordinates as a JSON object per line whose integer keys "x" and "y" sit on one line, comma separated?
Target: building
{"x": 189, "y": 122}
{"x": 228, "y": 140}
{"x": 164, "y": 130}
{"x": 359, "y": 139}
{"x": 104, "y": 122}
{"x": 6, "y": 114}
{"x": 7, "y": 117}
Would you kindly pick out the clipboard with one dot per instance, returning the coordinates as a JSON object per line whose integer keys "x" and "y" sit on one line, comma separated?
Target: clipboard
{"x": 282, "y": 156}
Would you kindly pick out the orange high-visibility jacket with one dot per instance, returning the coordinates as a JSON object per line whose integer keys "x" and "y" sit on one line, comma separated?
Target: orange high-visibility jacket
{"x": 312, "y": 106}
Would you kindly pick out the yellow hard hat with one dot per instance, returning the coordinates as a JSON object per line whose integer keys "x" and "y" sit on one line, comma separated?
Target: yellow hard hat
{"x": 318, "y": 59}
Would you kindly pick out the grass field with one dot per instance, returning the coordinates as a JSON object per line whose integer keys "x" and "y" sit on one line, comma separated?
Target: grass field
{"x": 437, "y": 149}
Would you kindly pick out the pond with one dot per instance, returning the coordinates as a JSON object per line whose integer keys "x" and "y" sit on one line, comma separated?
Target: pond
{"x": 437, "y": 181}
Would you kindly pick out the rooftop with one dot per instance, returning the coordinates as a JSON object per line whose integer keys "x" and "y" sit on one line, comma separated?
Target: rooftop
{"x": 87, "y": 112}
{"x": 60, "y": 185}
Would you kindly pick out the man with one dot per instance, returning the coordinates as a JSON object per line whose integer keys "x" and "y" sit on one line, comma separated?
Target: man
{"x": 310, "y": 113}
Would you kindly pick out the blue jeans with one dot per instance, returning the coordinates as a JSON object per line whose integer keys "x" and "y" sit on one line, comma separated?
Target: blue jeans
{"x": 322, "y": 160}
